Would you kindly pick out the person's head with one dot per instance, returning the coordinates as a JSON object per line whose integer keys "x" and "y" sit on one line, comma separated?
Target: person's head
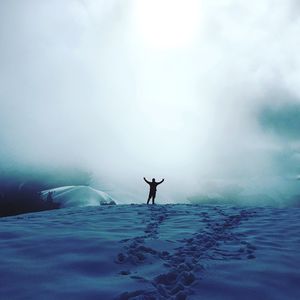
{"x": 153, "y": 179}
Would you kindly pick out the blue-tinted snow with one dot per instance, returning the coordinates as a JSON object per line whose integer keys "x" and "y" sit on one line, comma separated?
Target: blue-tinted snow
{"x": 151, "y": 252}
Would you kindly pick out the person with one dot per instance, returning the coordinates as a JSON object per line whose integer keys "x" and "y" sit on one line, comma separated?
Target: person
{"x": 153, "y": 184}
{"x": 49, "y": 201}
{"x": 49, "y": 197}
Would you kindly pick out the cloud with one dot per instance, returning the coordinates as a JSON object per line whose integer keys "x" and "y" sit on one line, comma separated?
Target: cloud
{"x": 79, "y": 86}
{"x": 283, "y": 120}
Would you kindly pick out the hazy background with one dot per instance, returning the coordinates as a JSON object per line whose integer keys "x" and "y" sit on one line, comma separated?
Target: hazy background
{"x": 205, "y": 94}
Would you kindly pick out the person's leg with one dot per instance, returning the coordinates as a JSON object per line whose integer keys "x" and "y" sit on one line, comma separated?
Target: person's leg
{"x": 149, "y": 197}
{"x": 153, "y": 198}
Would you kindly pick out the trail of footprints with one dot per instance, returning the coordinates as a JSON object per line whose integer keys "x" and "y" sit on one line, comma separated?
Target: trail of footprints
{"x": 135, "y": 251}
{"x": 215, "y": 242}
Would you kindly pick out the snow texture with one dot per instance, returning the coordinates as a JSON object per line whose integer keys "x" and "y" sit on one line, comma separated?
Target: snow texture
{"x": 76, "y": 196}
{"x": 152, "y": 252}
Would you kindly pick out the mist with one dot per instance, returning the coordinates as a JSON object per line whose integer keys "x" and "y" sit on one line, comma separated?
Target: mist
{"x": 205, "y": 94}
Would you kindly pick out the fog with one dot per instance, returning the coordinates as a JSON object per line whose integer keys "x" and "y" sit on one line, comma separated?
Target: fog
{"x": 205, "y": 94}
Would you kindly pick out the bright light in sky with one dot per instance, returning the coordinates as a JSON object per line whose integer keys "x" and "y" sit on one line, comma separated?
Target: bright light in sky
{"x": 167, "y": 23}
{"x": 181, "y": 89}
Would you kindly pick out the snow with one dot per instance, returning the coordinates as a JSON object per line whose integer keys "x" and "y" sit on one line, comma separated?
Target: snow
{"x": 152, "y": 252}
{"x": 74, "y": 196}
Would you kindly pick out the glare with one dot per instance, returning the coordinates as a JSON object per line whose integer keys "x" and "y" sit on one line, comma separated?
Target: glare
{"x": 167, "y": 23}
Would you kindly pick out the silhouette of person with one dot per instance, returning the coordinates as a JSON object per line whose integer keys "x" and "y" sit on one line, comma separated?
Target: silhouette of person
{"x": 153, "y": 184}
{"x": 49, "y": 197}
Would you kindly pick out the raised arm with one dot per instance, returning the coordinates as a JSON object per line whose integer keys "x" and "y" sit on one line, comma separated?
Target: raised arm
{"x": 161, "y": 181}
{"x": 146, "y": 180}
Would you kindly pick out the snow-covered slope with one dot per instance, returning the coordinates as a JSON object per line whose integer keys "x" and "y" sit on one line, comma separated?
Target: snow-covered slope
{"x": 74, "y": 196}
{"x": 145, "y": 252}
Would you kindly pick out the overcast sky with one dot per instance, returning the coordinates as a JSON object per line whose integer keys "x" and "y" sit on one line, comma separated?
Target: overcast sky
{"x": 205, "y": 94}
